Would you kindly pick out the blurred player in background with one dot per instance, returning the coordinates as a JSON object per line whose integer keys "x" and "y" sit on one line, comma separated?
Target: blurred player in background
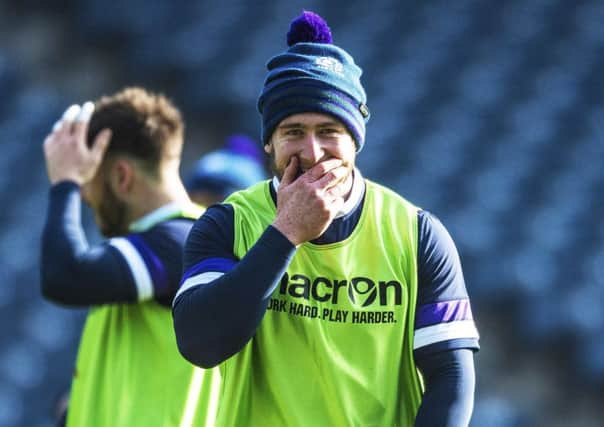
{"x": 219, "y": 173}
{"x": 319, "y": 294}
{"x": 121, "y": 155}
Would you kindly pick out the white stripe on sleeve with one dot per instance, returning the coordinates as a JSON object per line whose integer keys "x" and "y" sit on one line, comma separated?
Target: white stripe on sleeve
{"x": 199, "y": 279}
{"x": 142, "y": 278}
{"x": 444, "y": 332}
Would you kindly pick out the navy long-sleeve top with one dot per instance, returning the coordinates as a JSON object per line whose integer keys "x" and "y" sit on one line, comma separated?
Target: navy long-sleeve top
{"x": 215, "y": 279}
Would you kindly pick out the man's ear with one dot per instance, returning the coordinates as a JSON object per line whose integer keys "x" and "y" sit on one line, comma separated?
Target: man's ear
{"x": 268, "y": 147}
{"x": 122, "y": 176}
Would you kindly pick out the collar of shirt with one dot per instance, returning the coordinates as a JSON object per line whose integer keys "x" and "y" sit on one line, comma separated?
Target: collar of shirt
{"x": 171, "y": 210}
{"x": 356, "y": 194}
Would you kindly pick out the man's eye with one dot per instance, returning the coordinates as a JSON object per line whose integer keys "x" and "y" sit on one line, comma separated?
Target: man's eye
{"x": 329, "y": 131}
{"x": 293, "y": 132}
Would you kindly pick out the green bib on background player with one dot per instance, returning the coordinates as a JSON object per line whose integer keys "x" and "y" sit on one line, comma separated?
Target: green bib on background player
{"x": 335, "y": 347}
{"x": 129, "y": 372}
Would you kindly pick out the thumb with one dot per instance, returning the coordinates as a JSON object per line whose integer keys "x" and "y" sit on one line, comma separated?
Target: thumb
{"x": 290, "y": 172}
{"x": 101, "y": 142}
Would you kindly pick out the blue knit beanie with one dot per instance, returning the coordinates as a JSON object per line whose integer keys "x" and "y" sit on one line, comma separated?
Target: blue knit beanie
{"x": 236, "y": 166}
{"x": 313, "y": 75}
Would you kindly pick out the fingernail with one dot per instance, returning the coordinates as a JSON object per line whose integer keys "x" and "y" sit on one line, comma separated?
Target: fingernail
{"x": 57, "y": 125}
{"x": 71, "y": 113}
{"x": 86, "y": 112}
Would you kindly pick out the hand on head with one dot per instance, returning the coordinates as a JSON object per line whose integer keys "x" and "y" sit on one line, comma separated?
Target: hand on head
{"x": 67, "y": 154}
{"x": 307, "y": 205}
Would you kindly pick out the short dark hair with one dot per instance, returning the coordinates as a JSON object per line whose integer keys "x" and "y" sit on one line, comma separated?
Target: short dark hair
{"x": 144, "y": 125}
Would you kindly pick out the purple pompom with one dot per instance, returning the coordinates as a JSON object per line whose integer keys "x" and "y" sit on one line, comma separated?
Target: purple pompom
{"x": 308, "y": 28}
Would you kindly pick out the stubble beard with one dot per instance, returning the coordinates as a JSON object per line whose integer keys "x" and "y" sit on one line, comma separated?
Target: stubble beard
{"x": 112, "y": 214}
{"x": 279, "y": 171}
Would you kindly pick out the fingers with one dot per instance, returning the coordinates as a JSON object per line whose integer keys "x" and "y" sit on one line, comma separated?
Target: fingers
{"x": 321, "y": 168}
{"x": 47, "y": 146}
{"x": 338, "y": 191}
{"x": 71, "y": 113}
{"x": 74, "y": 120}
{"x": 80, "y": 125}
{"x": 63, "y": 126}
{"x": 332, "y": 178}
{"x": 101, "y": 142}
{"x": 290, "y": 172}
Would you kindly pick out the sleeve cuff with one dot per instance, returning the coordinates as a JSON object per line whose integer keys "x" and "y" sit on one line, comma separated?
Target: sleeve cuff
{"x": 455, "y": 344}
{"x": 64, "y": 187}
{"x": 277, "y": 240}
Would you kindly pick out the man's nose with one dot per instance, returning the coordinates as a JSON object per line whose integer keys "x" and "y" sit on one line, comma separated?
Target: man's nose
{"x": 312, "y": 151}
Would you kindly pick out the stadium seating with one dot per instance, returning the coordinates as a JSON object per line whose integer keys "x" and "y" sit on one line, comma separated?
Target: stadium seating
{"x": 488, "y": 114}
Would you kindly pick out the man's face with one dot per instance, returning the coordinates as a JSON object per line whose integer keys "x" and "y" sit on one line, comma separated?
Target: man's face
{"x": 313, "y": 138}
{"x": 109, "y": 211}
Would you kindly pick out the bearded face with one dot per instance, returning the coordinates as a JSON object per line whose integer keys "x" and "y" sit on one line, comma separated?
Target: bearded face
{"x": 111, "y": 214}
{"x": 312, "y": 138}
{"x": 109, "y": 211}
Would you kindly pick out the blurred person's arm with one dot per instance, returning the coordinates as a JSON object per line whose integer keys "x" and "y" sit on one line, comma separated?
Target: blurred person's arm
{"x": 132, "y": 268}
{"x": 72, "y": 271}
{"x": 445, "y": 334}
{"x": 222, "y": 299}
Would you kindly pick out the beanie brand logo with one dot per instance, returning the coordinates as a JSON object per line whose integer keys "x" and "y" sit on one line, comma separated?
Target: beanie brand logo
{"x": 329, "y": 64}
{"x": 364, "y": 110}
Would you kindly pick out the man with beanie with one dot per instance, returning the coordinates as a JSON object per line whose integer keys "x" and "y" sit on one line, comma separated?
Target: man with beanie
{"x": 325, "y": 299}
{"x": 219, "y": 173}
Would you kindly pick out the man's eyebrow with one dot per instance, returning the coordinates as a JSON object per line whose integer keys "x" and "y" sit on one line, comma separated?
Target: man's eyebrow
{"x": 302, "y": 125}
{"x": 290, "y": 125}
{"x": 330, "y": 124}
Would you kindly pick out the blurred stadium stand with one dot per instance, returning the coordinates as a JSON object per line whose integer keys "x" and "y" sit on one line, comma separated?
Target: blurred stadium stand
{"x": 489, "y": 114}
